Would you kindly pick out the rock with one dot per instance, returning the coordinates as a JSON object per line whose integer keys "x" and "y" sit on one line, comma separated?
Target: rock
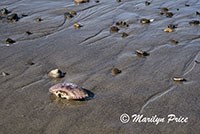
{"x": 77, "y": 26}
{"x": 168, "y": 30}
{"x": 38, "y": 19}
{"x": 124, "y": 35}
{"x": 72, "y": 12}
{"x": 12, "y": 18}
{"x": 80, "y": 1}
{"x": 114, "y": 29}
{"x": 179, "y": 79}
{"x": 56, "y": 73}
{"x": 198, "y": 62}
{"x": 145, "y": 21}
{"x": 28, "y": 33}
{"x": 4, "y": 74}
{"x": 169, "y": 14}
{"x": 10, "y": 41}
{"x": 4, "y": 11}
{"x": 174, "y": 42}
{"x": 187, "y": 5}
{"x": 69, "y": 91}
{"x": 147, "y": 3}
{"x": 142, "y": 53}
{"x": 118, "y": 1}
{"x": 172, "y": 26}
{"x": 198, "y": 13}
{"x": 122, "y": 24}
{"x": 115, "y": 71}
{"x": 194, "y": 22}
{"x": 164, "y": 9}
{"x": 67, "y": 15}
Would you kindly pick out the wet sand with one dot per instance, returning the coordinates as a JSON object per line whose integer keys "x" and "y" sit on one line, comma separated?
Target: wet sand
{"x": 88, "y": 55}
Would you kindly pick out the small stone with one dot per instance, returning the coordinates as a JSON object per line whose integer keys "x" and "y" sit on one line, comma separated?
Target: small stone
{"x": 118, "y": 1}
{"x": 72, "y": 12}
{"x": 198, "y": 13}
{"x": 198, "y": 62}
{"x": 179, "y": 79}
{"x": 38, "y": 19}
{"x": 56, "y": 73}
{"x": 172, "y": 26}
{"x": 164, "y": 9}
{"x": 114, "y": 29}
{"x": 187, "y": 5}
{"x": 168, "y": 30}
{"x": 122, "y": 24}
{"x": 30, "y": 63}
{"x": 174, "y": 42}
{"x": 77, "y": 26}
{"x": 10, "y": 41}
{"x": 80, "y": 1}
{"x": 124, "y": 35}
{"x": 142, "y": 53}
{"x": 28, "y": 33}
{"x": 160, "y": 13}
{"x": 67, "y": 15}
{"x": 97, "y": 1}
{"x": 12, "y": 18}
{"x": 194, "y": 22}
{"x": 4, "y": 74}
{"x": 145, "y": 21}
{"x": 169, "y": 14}
{"x": 147, "y": 3}
{"x": 115, "y": 71}
{"x": 4, "y": 11}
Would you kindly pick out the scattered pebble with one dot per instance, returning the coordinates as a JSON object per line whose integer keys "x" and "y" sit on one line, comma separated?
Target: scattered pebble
{"x": 169, "y": 14}
{"x": 124, "y": 35}
{"x": 122, "y": 24}
{"x": 72, "y": 12}
{"x": 118, "y": 1}
{"x": 114, "y": 29}
{"x": 168, "y": 30}
{"x": 198, "y": 13}
{"x": 187, "y": 5}
{"x": 172, "y": 26}
{"x": 97, "y": 1}
{"x": 28, "y": 33}
{"x": 10, "y": 41}
{"x": 179, "y": 79}
{"x": 147, "y": 3}
{"x": 38, "y": 19}
{"x": 145, "y": 21}
{"x": 4, "y": 11}
{"x": 80, "y": 1}
{"x": 142, "y": 53}
{"x": 174, "y": 42}
{"x": 160, "y": 13}
{"x": 194, "y": 22}
{"x": 198, "y": 62}
{"x": 164, "y": 9}
{"x": 12, "y": 18}
{"x": 4, "y": 74}
{"x": 56, "y": 73}
{"x": 115, "y": 71}
{"x": 77, "y": 26}
{"x": 67, "y": 15}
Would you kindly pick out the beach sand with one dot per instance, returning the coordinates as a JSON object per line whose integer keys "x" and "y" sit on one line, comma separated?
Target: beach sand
{"x": 88, "y": 55}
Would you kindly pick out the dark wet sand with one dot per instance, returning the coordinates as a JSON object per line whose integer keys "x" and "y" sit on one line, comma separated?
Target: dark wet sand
{"x": 88, "y": 55}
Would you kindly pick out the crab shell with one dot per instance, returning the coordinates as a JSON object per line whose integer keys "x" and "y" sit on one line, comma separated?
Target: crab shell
{"x": 68, "y": 91}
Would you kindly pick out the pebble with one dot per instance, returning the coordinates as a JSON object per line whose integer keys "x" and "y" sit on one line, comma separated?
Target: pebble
{"x": 115, "y": 71}
{"x": 145, "y": 21}
{"x": 124, "y": 35}
{"x": 194, "y": 22}
{"x": 38, "y": 19}
{"x": 172, "y": 26}
{"x": 10, "y": 41}
{"x": 174, "y": 42}
{"x": 142, "y": 53}
{"x": 147, "y": 3}
{"x": 179, "y": 79}
{"x": 198, "y": 13}
{"x": 4, "y": 11}
{"x": 80, "y": 1}
{"x": 4, "y": 74}
{"x": 164, "y": 9}
{"x": 169, "y": 14}
{"x": 77, "y": 26}
{"x": 56, "y": 73}
{"x": 114, "y": 29}
{"x": 168, "y": 30}
{"x": 28, "y": 33}
{"x": 12, "y": 18}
